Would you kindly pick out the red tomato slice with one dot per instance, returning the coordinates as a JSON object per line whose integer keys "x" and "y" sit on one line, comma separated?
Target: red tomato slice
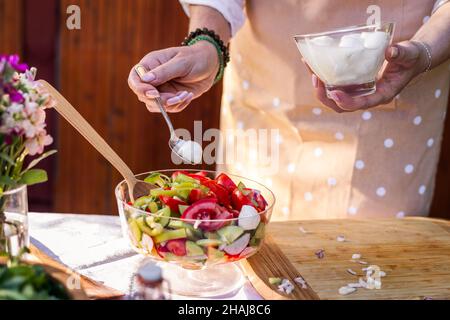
{"x": 176, "y": 173}
{"x": 172, "y": 203}
{"x": 221, "y": 192}
{"x": 231, "y": 258}
{"x": 198, "y": 177}
{"x": 202, "y": 173}
{"x": 235, "y": 213}
{"x": 177, "y": 247}
{"x": 196, "y": 195}
{"x": 161, "y": 250}
{"x": 207, "y": 209}
{"x": 262, "y": 203}
{"x": 253, "y": 198}
{"x": 238, "y": 199}
{"x": 226, "y": 182}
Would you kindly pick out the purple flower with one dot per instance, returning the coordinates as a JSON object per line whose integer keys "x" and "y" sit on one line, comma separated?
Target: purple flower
{"x": 16, "y": 96}
{"x": 320, "y": 254}
{"x": 14, "y": 62}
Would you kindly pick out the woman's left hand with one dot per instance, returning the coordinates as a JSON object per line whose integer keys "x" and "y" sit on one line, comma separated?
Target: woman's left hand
{"x": 405, "y": 59}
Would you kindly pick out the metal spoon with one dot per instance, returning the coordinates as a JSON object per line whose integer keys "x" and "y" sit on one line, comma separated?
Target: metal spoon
{"x": 175, "y": 143}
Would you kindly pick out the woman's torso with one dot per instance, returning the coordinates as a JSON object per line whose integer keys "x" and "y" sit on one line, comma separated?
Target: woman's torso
{"x": 376, "y": 163}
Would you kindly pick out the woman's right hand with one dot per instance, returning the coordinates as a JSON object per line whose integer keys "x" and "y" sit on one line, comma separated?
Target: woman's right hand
{"x": 178, "y": 75}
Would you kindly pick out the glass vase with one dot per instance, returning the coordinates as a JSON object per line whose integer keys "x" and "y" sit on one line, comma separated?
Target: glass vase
{"x": 14, "y": 235}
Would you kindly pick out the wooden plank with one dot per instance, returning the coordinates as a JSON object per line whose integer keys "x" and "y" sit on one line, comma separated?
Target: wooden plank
{"x": 415, "y": 254}
{"x": 95, "y": 62}
{"x": 11, "y": 26}
{"x": 273, "y": 263}
{"x": 40, "y": 51}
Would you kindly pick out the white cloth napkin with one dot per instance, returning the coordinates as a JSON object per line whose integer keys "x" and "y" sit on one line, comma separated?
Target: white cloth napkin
{"x": 94, "y": 246}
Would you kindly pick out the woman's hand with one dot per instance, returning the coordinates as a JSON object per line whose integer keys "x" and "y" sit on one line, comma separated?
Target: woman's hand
{"x": 177, "y": 75}
{"x": 406, "y": 60}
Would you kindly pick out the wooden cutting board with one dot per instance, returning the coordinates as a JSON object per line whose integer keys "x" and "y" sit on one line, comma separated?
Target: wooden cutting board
{"x": 414, "y": 253}
{"x": 92, "y": 289}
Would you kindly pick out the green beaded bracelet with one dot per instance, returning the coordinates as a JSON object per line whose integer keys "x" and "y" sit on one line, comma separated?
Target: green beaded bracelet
{"x": 199, "y": 38}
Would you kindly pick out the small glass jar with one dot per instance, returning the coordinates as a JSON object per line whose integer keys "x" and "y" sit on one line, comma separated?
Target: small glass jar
{"x": 150, "y": 284}
{"x": 14, "y": 235}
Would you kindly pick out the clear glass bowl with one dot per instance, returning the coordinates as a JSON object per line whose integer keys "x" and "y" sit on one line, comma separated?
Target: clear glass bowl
{"x": 200, "y": 262}
{"x": 348, "y": 59}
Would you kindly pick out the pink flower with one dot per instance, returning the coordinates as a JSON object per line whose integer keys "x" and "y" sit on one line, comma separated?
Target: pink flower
{"x": 49, "y": 101}
{"x": 30, "y": 129}
{"x": 23, "y": 105}
{"x": 2, "y": 65}
{"x": 37, "y": 144}
{"x": 38, "y": 117}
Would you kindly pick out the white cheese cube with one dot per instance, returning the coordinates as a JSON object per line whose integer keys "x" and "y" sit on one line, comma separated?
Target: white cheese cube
{"x": 374, "y": 40}
{"x": 323, "y": 41}
{"x": 249, "y": 218}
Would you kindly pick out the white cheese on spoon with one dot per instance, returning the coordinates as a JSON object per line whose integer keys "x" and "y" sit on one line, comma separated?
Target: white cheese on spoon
{"x": 190, "y": 151}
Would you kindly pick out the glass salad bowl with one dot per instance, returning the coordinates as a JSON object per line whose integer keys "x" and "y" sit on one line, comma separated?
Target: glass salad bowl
{"x": 198, "y": 225}
{"x": 347, "y": 59}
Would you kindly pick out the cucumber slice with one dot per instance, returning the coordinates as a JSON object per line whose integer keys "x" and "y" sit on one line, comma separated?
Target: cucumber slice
{"x": 170, "y": 257}
{"x": 193, "y": 249}
{"x": 230, "y": 233}
{"x": 162, "y": 192}
{"x": 177, "y": 224}
{"x": 194, "y": 234}
{"x": 209, "y": 242}
{"x": 152, "y": 229}
{"x": 185, "y": 185}
{"x": 259, "y": 233}
{"x": 182, "y": 208}
{"x": 135, "y": 231}
{"x": 140, "y": 221}
{"x": 184, "y": 193}
{"x": 191, "y": 233}
{"x": 153, "y": 206}
{"x": 163, "y": 216}
{"x": 212, "y": 235}
{"x": 142, "y": 202}
{"x": 254, "y": 242}
{"x": 170, "y": 235}
{"x": 214, "y": 254}
{"x": 241, "y": 187}
{"x": 182, "y": 178}
{"x": 157, "y": 179}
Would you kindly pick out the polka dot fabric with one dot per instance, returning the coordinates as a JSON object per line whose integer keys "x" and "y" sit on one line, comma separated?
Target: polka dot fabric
{"x": 373, "y": 163}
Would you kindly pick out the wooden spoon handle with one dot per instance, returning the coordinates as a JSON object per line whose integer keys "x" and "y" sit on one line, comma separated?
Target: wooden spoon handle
{"x": 85, "y": 129}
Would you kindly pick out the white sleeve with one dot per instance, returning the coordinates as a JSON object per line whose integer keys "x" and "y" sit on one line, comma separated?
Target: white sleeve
{"x": 438, "y": 4}
{"x": 232, "y": 10}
